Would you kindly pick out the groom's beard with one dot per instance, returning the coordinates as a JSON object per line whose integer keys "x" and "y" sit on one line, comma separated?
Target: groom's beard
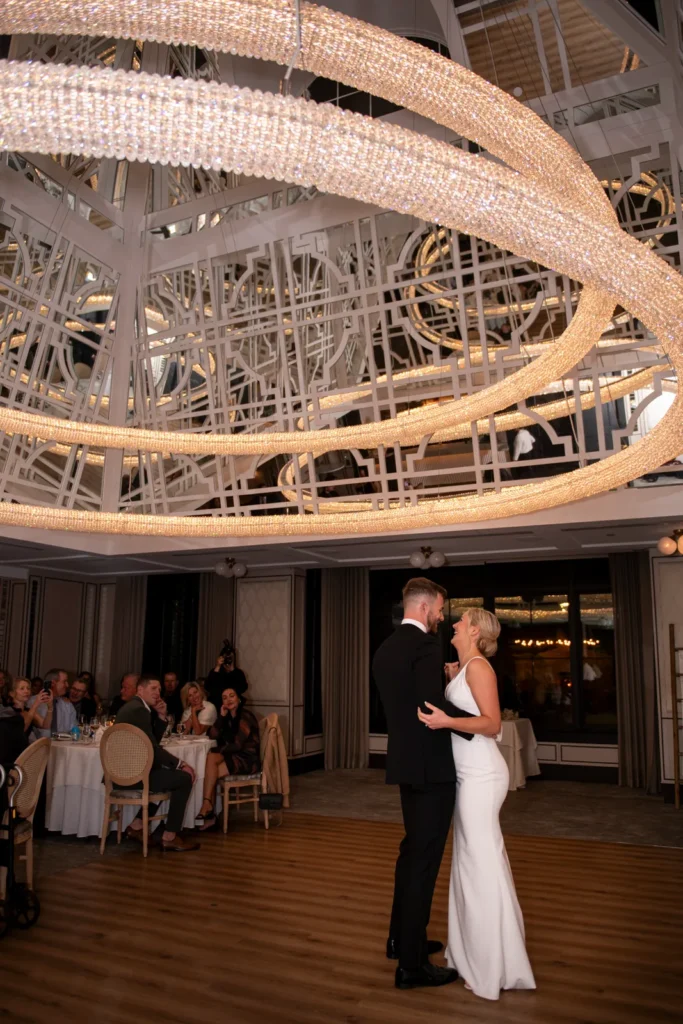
{"x": 432, "y": 624}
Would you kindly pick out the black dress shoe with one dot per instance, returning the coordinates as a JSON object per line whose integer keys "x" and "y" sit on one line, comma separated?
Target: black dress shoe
{"x": 427, "y": 976}
{"x": 433, "y": 946}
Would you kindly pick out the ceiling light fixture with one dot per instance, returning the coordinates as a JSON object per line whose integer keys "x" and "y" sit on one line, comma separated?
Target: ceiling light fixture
{"x": 672, "y": 545}
{"x": 229, "y": 567}
{"x": 426, "y": 558}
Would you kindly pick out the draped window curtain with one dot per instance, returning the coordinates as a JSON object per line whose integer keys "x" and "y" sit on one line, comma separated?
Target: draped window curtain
{"x": 345, "y": 667}
{"x": 634, "y": 640}
{"x": 215, "y": 619}
{"x": 130, "y": 606}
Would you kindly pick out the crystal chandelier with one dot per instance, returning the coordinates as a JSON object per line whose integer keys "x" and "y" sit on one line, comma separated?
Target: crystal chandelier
{"x": 549, "y": 208}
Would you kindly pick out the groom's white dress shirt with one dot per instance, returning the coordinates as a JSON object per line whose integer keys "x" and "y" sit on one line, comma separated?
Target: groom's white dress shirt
{"x": 414, "y": 622}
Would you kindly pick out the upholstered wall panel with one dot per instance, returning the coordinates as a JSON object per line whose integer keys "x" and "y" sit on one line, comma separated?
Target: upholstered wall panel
{"x": 60, "y": 637}
{"x": 263, "y": 611}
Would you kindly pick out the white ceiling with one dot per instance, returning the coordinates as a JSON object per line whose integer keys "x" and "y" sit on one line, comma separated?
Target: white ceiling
{"x": 474, "y": 546}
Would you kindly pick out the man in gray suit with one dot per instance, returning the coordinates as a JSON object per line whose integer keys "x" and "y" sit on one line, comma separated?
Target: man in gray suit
{"x": 147, "y": 712}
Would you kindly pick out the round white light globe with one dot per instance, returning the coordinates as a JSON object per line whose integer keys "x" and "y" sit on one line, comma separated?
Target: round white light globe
{"x": 437, "y": 559}
{"x": 680, "y": 544}
{"x": 418, "y": 560}
{"x": 666, "y": 546}
{"x": 239, "y": 569}
{"x": 221, "y": 569}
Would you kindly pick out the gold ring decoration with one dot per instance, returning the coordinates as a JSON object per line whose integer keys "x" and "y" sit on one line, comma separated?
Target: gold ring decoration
{"x": 549, "y": 208}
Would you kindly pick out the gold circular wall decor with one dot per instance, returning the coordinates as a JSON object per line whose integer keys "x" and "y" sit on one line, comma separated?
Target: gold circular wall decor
{"x": 145, "y": 117}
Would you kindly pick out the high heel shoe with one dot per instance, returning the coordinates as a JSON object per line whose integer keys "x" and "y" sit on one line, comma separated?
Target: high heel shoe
{"x": 205, "y": 819}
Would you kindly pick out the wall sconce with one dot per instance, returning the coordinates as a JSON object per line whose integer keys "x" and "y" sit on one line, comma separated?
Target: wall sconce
{"x": 230, "y": 567}
{"x": 671, "y": 545}
{"x": 425, "y": 558}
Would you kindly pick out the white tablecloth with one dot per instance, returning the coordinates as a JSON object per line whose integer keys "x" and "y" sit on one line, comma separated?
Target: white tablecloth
{"x": 75, "y": 791}
{"x": 518, "y": 746}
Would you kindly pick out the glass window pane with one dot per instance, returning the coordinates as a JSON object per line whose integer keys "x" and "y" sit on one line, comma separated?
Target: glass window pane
{"x": 599, "y": 694}
{"x": 534, "y": 660}
{"x": 458, "y": 605}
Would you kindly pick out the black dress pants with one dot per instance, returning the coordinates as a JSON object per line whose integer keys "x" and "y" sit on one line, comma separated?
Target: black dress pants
{"x": 427, "y": 814}
{"x": 179, "y": 784}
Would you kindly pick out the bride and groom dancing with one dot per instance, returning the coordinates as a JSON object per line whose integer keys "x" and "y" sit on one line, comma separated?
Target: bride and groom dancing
{"x": 439, "y": 748}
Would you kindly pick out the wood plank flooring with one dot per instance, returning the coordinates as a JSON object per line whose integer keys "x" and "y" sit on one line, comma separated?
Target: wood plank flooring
{"x": 289, "y": 927}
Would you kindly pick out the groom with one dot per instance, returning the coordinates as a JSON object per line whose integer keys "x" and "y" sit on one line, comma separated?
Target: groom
{"x": 408, "y": 671}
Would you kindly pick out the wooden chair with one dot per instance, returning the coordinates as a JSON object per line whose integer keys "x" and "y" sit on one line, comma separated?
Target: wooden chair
{"x": 255, "y": 783}
{"x": 33, "y": 762}
{"x": 127, "y": 756}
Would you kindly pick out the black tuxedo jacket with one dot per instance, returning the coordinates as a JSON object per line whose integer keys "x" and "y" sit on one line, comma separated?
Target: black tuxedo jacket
{"x": 408, "y": 671}
{"x": 134, "y": 712}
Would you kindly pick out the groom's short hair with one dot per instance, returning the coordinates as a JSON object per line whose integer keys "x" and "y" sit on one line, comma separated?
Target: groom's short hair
{"x": 420, "y": 587}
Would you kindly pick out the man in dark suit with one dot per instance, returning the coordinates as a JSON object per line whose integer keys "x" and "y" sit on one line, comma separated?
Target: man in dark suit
{"x": 147, "y": 712}
{"x": 408, "y": 671}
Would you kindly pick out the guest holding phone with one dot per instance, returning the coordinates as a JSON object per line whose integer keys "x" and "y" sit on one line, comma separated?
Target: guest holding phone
{"x": 63, "y": 715}
{"x": 18, "y": 696}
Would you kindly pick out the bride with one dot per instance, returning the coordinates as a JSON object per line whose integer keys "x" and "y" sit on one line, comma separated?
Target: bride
{"x": 485, "y": 924}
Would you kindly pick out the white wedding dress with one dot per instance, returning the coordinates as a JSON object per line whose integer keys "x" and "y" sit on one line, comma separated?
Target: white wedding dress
{"x": 485, "y": 924}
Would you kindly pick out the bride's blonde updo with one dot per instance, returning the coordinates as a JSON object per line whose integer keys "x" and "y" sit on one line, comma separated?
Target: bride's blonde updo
{"x": 489, "y": 630}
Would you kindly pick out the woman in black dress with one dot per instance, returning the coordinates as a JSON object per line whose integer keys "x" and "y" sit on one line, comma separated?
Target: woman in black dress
{"x": 238, "y": 750}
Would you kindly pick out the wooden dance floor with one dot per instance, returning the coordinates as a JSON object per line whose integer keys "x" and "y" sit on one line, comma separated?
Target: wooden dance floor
{"x": 289, "y": 927}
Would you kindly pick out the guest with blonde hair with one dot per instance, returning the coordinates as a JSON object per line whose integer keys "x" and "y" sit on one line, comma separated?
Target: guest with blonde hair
{"x": 199, "y": 714}
{"x": 18, "y": 695}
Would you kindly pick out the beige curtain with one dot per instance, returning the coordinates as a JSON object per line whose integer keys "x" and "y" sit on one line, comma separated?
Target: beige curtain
{"x": 634, "y": 641}
{"x": 128, "y": 633}
{"x": 216, "y": 605}
{"x": 345, "y": 667}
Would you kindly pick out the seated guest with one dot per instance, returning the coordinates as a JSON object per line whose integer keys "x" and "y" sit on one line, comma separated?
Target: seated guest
{"x": 64, "y": 717}
{"x": 83, "y": 704}
{"x": 199, "y": 714}
{"x": 89, "y": 680}
{"x": 238, "y": 750}
{"x": 171, "y": 695}
{"x": 129, "y": 684}
{"x": 225, "y": 673}
{"x": 18, "y": 696}
{"x": 168, "y": 772}
{"x": 36, "y": 685}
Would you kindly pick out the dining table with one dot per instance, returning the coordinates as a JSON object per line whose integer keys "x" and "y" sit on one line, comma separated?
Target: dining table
{"x": 517, "y": 744}
{"x": 75, "y": 786}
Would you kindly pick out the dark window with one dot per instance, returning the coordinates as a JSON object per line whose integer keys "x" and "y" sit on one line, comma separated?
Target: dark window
{"x": 170, "y": 642}
{"x": 555, "y": 660}
{"x": 313, "y": 711}
{"x": 648, "y": 10}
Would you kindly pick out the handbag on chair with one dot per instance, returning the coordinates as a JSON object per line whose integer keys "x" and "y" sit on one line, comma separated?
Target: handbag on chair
{"x": 270, "y": 801}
